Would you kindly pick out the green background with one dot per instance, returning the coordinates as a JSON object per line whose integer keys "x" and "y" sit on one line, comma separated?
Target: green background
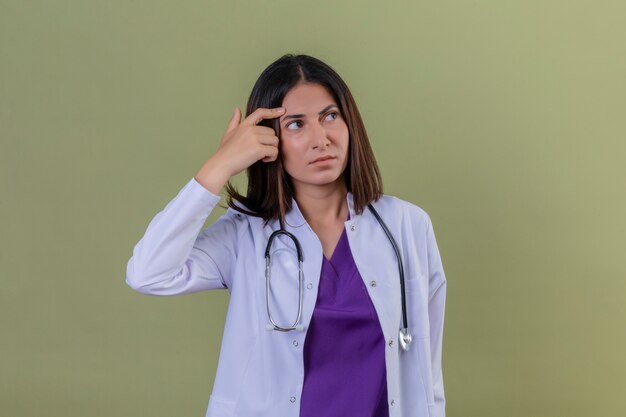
{"x": 504, "y": 120}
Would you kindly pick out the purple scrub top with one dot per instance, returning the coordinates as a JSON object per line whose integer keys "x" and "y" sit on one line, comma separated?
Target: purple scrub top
{"x": 344, "y": 349}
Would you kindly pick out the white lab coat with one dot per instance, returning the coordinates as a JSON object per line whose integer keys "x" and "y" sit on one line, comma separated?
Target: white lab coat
{"x": 260, "y": 372}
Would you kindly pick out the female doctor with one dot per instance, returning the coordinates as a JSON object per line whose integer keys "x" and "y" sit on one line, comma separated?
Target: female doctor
{"x": 327, "y": 317}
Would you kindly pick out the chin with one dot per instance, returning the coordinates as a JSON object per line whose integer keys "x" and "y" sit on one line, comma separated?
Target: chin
{"x": 318, "y": 180}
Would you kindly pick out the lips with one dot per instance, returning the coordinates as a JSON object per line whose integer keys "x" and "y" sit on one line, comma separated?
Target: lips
{"x": 323, "y": 158}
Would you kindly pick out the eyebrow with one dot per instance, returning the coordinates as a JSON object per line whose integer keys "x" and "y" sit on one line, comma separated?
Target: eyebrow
{"x": 296, "y": 116}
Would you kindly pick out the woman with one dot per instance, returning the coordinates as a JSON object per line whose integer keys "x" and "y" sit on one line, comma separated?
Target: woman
{"x": 312, "y": 173}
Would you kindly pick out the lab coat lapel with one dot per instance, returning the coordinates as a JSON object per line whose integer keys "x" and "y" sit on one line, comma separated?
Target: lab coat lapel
{"x": 312, "y": 254}
{"x": 377, "y": 264}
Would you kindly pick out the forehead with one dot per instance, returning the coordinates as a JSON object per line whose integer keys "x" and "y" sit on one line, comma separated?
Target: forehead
{"x": 307, "y": 97}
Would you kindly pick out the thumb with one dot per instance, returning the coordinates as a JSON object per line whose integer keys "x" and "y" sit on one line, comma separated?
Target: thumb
{"x": 234, "y": 121}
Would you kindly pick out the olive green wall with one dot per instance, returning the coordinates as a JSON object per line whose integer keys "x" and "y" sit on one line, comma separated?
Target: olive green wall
{"x": 504, "y": 120}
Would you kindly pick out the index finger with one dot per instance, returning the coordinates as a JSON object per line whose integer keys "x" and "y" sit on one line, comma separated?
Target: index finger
{"x": 263, "y": 113}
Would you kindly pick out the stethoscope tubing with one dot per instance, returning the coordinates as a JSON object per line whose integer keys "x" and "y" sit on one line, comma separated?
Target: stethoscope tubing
{"x": 400, "y": 263}
{"x": 405, "y": 336}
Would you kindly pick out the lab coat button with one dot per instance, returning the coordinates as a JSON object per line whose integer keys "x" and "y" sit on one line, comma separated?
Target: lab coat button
{"x": 292, "y": 399}
{"x": 393, "y": 402}
{"x": 391, "y": 342}
{"x": 373, "y": 283}
{"x": 353, "y": 227}
{"x": 295, "y": 343}
{"x": 309, "y": 285}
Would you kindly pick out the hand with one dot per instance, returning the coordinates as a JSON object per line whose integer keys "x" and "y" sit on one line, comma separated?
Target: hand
{"x": 245, "y": 143}
{"x": 242, "y": 145}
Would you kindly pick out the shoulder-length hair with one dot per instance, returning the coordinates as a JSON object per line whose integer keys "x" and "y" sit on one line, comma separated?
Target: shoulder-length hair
{"x": 270, "y": 188}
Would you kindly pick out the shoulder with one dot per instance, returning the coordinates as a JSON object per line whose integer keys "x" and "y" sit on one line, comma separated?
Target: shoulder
{"x": 239, "y": 219}
{"x": 406, "y": 210}
{"x": 242, "y": 220}
{"x": 229, "y": 226}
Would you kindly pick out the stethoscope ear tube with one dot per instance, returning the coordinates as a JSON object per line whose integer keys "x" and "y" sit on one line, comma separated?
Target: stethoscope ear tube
{"x": 271, "y": 327}
{"x": 295, "y": 325}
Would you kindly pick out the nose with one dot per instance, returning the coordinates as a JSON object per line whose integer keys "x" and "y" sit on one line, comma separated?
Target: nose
{"x": 319, "y": 137}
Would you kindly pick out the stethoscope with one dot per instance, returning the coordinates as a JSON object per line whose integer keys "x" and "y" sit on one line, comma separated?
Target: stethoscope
{"x": 404, "y": 337}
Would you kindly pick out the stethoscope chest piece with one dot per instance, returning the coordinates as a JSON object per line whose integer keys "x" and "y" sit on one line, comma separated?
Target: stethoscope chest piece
{"x": 405, "y": 339}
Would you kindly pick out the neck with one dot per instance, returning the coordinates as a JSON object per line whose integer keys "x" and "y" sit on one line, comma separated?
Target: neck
{"x": 322, "y": 205}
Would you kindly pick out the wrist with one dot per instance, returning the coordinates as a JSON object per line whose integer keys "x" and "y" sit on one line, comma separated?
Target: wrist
{"x": 213, "y": 175}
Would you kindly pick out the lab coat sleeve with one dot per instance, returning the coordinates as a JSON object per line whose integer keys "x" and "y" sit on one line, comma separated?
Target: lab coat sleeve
{"x": 174, "y": 257}
{"x": 436, "y": 309}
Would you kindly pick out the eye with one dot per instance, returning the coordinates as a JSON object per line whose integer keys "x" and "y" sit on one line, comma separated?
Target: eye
{"x": 332, "y": 113}
{"x": 295, "y": 121}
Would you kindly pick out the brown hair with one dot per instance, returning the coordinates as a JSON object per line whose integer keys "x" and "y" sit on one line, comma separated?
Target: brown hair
{"x": 270, "y": 198}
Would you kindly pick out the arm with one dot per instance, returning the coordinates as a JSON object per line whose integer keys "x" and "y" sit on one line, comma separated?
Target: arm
{"x": 173, "y": 257}
{"x": 436, "y": 309}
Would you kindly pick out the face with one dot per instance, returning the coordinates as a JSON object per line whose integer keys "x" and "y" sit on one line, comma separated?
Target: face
{"x": 311, "y": 128}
